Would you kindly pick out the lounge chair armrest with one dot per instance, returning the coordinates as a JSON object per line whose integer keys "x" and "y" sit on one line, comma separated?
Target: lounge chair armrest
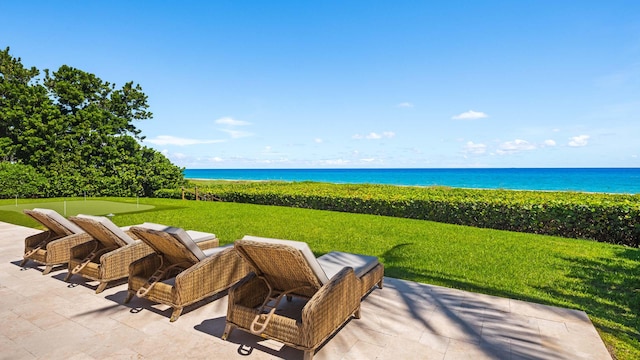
{"x": 81, "y": 251}
{"x": 211, "y": 275}
{"x": 249, "y": 292}
{"x": 335, "y": 302}
{"x": 146, "y": 266}
{"x": 124, "y": 256}
{"x": 61, "y": 248}
{"x": 36, "y": 239}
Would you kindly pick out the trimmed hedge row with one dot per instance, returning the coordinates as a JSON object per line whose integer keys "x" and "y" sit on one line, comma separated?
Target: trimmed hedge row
{"x": 602, "y": 217}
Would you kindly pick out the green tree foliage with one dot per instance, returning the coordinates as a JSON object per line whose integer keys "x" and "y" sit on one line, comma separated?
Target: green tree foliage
{"x": 77, "y": 131}
{"x": 20, "y": 180}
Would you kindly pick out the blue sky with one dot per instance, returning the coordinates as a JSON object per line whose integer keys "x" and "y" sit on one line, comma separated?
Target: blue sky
{"x": 355, "y": 84}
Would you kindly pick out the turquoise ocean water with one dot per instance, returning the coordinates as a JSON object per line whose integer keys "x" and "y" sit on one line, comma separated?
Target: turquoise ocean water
{"x": 604, "y": 180}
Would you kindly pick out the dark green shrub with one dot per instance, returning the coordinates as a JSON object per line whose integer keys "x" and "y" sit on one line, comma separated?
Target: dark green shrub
{"x": 20, "y": 180}
{"x": 601, "y": 217}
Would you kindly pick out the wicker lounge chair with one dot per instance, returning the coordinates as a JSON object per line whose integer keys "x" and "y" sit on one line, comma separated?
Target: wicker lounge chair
{"x": 52, "y": 247}
{"x": 334, "y": 285}
{"x": 112, "y": 249}
{"x": 179, "y": 273}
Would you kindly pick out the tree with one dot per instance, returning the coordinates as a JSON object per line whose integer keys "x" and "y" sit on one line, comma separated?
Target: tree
{"x": 78, "y": 130}
{"x": 20, "y": 180}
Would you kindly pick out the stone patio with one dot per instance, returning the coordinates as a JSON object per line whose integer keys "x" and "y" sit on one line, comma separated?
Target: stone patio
{"x": 44, "y": 317}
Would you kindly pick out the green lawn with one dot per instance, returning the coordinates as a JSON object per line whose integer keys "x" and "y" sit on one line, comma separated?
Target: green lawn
{"x": 601, "y": 279}
{"x": 11, "y": 210}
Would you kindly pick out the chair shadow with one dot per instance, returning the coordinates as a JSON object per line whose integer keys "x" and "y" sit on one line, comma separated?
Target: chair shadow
{"x": 247, "y": 342}
{"x": 137, "y": 305}
{"x": 36, "y": 266}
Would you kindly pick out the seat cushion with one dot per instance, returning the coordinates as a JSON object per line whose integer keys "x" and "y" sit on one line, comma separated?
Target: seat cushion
{"x": 216, "y": 250}
{"x": 197, "y": 236}
{"x": 335, "y": 261}
{"x": 304, "y": 249}
{"x": 186, "y": 240}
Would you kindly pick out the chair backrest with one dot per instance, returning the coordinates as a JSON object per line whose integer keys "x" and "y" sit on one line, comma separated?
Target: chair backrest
{"x": 53, "y": 221}
{"x": 285, "y": 264}
{"x": 173, "y": 243}
{"x": 103, "y": 229}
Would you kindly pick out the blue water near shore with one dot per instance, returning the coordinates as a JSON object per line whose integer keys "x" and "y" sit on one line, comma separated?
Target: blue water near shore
{"x": 602, "y": 180}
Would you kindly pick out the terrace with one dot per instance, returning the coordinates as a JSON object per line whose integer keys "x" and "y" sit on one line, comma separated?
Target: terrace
{"x": 45, "y": 318}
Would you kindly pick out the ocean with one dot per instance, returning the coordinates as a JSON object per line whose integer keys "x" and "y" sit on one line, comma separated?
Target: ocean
{"x": 600, "y": 180}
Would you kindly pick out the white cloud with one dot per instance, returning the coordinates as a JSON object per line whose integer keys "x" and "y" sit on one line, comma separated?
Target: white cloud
{"x": 405, "y": 105}
{"x": 470, "y": 115}
{"x": 178, "y": 141}
{"x": 515, "y": 146}
{"x": 549, "y": 143}
{"x": 216, "y": 159}
{"x": 375, "y": 136}
{"x": 334, "y": 162}
{"x": 580, "y": 140}
{"x": 388, "y": 134}
{"x": 472, "y": 148}
{"x": 235, "y": 134}
{"x": 318, "y": 141}
{"x": 231, "y": 122}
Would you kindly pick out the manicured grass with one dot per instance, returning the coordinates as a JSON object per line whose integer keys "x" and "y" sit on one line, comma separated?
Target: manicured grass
{"x": 74, "y": 207}
{"x": 601, "y": 279}
{"x": 11, "y": 210}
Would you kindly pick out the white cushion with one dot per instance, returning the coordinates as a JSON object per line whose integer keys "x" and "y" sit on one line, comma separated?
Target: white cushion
{"x": 335, "y": 261}
{"x": 304, "y": 249}
{"x": 186, "y": 240}
{"x": 109, "y": 225}
{"x": 60, "y": 220}
{"x": 216, "y": 250}
{"x": 197, "y": 236}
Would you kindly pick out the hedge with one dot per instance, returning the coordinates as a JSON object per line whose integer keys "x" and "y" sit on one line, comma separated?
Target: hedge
{"x": 602, "y": 217}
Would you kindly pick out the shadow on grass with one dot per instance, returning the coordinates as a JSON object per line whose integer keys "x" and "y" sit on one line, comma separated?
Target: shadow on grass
{"x": 609, "y": 291}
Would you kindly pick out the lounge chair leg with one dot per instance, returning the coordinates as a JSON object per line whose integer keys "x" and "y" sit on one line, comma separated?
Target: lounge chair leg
{"x": 176, "y": 314}
{"x": 227, "y": 331}
{"x": 24, "y": 261}
{"x": 69, "y": 274}
{"x": 129, "y": 296}
{"x": 101, "y": 287}
{"x": 356, "y": 314}
{"x": 308, "y": 354}
{"x": 47, "y": 269}
{"x": 380, "y": 284}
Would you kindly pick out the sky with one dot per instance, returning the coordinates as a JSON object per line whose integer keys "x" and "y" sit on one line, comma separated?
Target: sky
{"x": 359, "y": 84}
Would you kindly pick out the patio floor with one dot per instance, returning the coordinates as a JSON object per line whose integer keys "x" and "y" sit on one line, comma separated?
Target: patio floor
{"x": 43, "y": 317}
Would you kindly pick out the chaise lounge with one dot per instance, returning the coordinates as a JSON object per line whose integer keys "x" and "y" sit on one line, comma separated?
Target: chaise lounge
{"x": 53, "y": 246}
{"x": 107, "y": 256}
{"x": 179, "y": 273}
{"x": 334, "y": 285}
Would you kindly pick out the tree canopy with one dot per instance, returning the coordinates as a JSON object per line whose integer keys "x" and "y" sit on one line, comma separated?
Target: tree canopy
{"x": 78, "y": 132}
